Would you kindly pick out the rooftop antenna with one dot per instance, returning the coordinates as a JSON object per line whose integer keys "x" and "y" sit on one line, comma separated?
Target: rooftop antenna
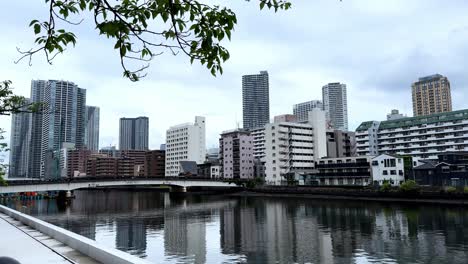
{"x": 237, "y": 122}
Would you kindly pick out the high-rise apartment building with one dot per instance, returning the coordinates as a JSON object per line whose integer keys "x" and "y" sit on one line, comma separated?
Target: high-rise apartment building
{"x": 431, "y": 95}
{"x": 236, "y": 154}
{"x": 134, "y": 133}
{"x": 255, "y": 100}
{"x": 37, "y": 96}
{"x": 335, "y": 105}
{"x": 20, "y": 144}
{"x": 185, "y": 142}
{"x": 63, "y": 121}
{"x": 92, "y": 128}
{"x": 301, "y": 111}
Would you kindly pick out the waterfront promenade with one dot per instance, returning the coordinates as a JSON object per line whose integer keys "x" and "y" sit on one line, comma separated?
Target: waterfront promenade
{"x": 27, "y": 245}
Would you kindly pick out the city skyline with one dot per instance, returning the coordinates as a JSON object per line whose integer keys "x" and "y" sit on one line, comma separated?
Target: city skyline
{"x": 293, "y": 76}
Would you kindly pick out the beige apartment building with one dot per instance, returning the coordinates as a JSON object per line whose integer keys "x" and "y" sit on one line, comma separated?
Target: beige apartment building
{"x": 431, "y": 95}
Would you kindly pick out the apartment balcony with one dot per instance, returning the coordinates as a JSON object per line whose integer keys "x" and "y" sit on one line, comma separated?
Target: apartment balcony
{"x": 343, "y": 174}
{"x": 343, "y": 165}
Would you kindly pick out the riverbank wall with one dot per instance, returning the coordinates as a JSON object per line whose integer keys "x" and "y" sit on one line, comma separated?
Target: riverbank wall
{"x": 80, "y": 243}
{"x": 429, "y": 195}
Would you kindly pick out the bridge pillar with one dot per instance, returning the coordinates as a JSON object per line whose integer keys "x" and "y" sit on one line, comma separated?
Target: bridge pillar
{"x": 178, "y": 189}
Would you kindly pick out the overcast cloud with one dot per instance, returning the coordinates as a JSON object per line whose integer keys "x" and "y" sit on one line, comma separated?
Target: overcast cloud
{"x": 376, "y": 47}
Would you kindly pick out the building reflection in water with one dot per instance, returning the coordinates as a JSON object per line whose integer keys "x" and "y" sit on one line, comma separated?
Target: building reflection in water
{"x": 262, "y": 230}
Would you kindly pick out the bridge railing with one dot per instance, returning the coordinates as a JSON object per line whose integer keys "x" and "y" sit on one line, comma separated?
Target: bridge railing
{"x": 107, "y": 178}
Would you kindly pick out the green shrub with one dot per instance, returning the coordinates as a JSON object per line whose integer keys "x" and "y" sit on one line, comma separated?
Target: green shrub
{"x": 2, "y": 181}
{"x": 409, "y": 186}
{"x": 451, "y": 189}
{"x": 386, "y": 186}
{"x": 465, "y": 190}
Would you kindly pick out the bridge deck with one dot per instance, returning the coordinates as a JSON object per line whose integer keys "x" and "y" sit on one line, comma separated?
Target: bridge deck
{"x": 63, "y": 185}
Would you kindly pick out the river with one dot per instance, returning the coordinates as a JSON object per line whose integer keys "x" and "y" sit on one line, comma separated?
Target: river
{"x": 163, "y": 228}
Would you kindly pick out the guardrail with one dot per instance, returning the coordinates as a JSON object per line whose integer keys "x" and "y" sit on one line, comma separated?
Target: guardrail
{"x": 80, "y": 243}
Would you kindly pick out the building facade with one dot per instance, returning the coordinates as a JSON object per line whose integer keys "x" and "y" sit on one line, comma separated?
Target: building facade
{"x": 63, "y": 120}
{"x": 291, "y": 148}
{"x": 341, "y": 144}
{"x": 394, "y": 115}
{"x": 185, "y": 142}
{"x": 155, "y": 163}
{"x": 343, "y": 171}
{"x": 92, "y": 128}
{"x": 431, "y": 95}
{"x": 134, "y": 133}
{"x": 335, "y": 105}
{"x": 37, "y": 96}
{"x": 255, "y": 100}
{"x": 450, "y": 169}
{"x": 20, "y": 139}
{"x": 77, "y": 162}
{"x": 423, "y": 137}
{"x": 301, "y": 111}
{"x": 387, "y": 168}
{"x": 236, "y": 154}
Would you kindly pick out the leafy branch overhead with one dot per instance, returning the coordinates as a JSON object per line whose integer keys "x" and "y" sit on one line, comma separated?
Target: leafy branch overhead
{"x": 143, "y": 29}
{"x": 12, "y": 104}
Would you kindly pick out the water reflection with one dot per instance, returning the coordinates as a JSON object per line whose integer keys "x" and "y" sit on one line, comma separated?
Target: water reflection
{"x": 214, "y": 229}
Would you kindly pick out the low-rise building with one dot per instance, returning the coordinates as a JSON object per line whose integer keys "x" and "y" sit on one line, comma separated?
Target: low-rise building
{"x": 388, "y": 168}
{"x": 343, "y": 171}
{"x": 210, "y": 170}
{"x": 155, "y": 161}
{"x": 77, "y": 162}
{"x": 102, "y": 166}
{"x": 358, "y": 171}
{"x": 450, "y": 169}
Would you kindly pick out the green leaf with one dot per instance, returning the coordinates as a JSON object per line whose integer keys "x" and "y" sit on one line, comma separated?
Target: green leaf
{"x": 37, "y": 29}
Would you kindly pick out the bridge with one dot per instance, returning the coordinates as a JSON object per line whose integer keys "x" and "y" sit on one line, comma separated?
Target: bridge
{"x": 178, "y": 184}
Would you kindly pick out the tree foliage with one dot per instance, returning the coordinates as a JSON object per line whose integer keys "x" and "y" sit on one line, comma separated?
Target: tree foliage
{"x": 143, "y": 29}
{"x": 409, "y": 186}
{"x": 3, "y": 148}
{"x": 10, "y": 103}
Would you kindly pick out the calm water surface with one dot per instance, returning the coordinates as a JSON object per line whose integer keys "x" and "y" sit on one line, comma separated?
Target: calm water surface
{"x": 221, "y": 229}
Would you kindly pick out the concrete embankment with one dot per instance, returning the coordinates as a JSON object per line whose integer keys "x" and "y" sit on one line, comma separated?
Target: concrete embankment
{"x": 88, "y": 250}
{"x": 424, "y": 196}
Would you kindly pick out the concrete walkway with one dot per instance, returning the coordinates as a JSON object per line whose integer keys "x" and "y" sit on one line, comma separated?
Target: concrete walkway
{"x": 27, "y": 245}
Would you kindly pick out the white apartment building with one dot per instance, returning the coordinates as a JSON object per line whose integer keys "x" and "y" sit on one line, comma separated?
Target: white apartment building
{"x": 388, "y": 168}
{"x": 420, "y": 137}
{"x": 185, "y": 142}
{"x": 288, "y": 148}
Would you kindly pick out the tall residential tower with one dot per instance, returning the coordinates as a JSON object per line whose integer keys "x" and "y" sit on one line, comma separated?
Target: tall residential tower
{"x": 335, "y": 105}
{"x": 62, "y": 121}
{"x": 431, "y": 95}
{"x": 134, "y": 133}
{"x": 255, "y": 100}
{"x": 92, "y": 128}
{"x": 20, "y": 144}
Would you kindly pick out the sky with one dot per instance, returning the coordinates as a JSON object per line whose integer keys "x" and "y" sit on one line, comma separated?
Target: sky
{"x": 377, "y": 48}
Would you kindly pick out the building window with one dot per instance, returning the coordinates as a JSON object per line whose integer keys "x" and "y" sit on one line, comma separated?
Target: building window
{"x": 384, "y": 172}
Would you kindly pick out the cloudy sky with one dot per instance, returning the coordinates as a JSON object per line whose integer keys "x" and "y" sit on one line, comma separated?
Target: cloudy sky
{"x": 376, "y": 47}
